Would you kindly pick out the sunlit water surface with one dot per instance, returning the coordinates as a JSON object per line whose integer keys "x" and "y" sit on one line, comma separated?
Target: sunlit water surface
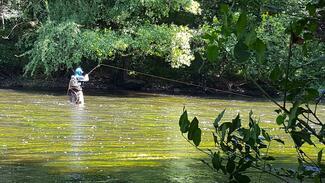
{"x": 131, "y": 137}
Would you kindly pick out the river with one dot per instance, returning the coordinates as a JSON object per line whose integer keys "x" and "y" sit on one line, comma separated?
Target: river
{"x": 123, "y": 137}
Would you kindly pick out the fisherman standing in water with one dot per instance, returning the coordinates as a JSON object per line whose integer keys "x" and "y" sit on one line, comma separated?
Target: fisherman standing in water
{"x": 75, "y": 90}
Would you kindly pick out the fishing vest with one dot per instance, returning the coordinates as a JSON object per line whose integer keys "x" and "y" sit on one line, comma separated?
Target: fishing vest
{"x": 74, "y": 84}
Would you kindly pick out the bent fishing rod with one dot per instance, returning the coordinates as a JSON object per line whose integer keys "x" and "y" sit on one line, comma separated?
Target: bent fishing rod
{"x": 92, "y": 70}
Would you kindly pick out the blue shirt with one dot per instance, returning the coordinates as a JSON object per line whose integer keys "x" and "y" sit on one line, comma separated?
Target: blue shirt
{"x": 80, "y": 77}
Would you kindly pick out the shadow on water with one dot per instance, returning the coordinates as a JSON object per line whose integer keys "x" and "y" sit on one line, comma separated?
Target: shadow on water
{"x": 176, "y": 171}
{"x": 137, "y": 94}
{"x": 169, "y": 171}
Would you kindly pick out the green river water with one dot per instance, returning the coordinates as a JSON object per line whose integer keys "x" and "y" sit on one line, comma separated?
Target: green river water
{"x": 124, "y": 137}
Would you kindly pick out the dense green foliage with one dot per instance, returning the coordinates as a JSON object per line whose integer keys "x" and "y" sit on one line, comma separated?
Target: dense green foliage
{"x": 279, "y": 44}
{"x": 98, "y": 30}
{"x": 201, "y": 36}
{"x": 242, "y": 146}
{"x": 293, "y": 74}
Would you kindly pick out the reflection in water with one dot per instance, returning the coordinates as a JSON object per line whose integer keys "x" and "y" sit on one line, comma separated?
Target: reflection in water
{"x": 77, "y": 138}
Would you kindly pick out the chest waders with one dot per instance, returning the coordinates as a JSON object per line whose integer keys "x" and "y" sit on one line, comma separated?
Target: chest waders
{"x": 75, "y": 91}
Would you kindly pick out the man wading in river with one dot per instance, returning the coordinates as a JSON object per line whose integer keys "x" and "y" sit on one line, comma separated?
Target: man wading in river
{"x": 75, "y": 90}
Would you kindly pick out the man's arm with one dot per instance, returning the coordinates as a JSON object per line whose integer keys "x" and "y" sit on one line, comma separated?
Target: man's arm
{"x": 83, "y": 78}
{"x": 86, "y": 78}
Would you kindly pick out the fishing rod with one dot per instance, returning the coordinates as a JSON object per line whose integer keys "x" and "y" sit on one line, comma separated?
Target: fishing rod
{"x": 92, "y": 70}
{"x": 171, "y": 80}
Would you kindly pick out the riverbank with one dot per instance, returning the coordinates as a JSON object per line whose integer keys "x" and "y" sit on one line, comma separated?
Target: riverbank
{"x": 100, "y": 84}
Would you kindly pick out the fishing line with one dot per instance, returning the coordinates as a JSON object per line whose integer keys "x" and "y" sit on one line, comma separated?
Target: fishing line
{"x": 171, "y": 80}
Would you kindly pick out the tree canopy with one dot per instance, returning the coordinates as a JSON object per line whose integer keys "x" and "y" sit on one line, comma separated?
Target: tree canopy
{"x": 214, "y": 38}
{"x": 70, "y": 31}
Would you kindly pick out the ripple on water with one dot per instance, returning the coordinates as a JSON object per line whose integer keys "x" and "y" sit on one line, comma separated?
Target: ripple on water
{"x": 129, "y": 138}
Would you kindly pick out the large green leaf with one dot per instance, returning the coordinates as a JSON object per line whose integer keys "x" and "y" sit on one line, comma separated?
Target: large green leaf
{"x": 184, "y": 122}
{"x": 193, "y": 126}
{"x": 259, "y": 48}
{"x": 223, "y": 128}
{"x": 241, "y": 24}
{"x": 241, "y": 52}
{"x": 218, "y": 119}
{"x": 301, "y": 137}
{"x": 215, "y": 138}
{"x": 236, "y": 123}
{"x": 216, "y": 161}
{"x": 307, "y": 137}
{"x": 212, "y": 53}
{"x": 266, "y": 135}
{"x": 276, "y": 74}
{"x": 297, "y": 139}
{"x": 197, "y": 136}
{"x": 250, "y": 38}
{"x": 293, "y": 115}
